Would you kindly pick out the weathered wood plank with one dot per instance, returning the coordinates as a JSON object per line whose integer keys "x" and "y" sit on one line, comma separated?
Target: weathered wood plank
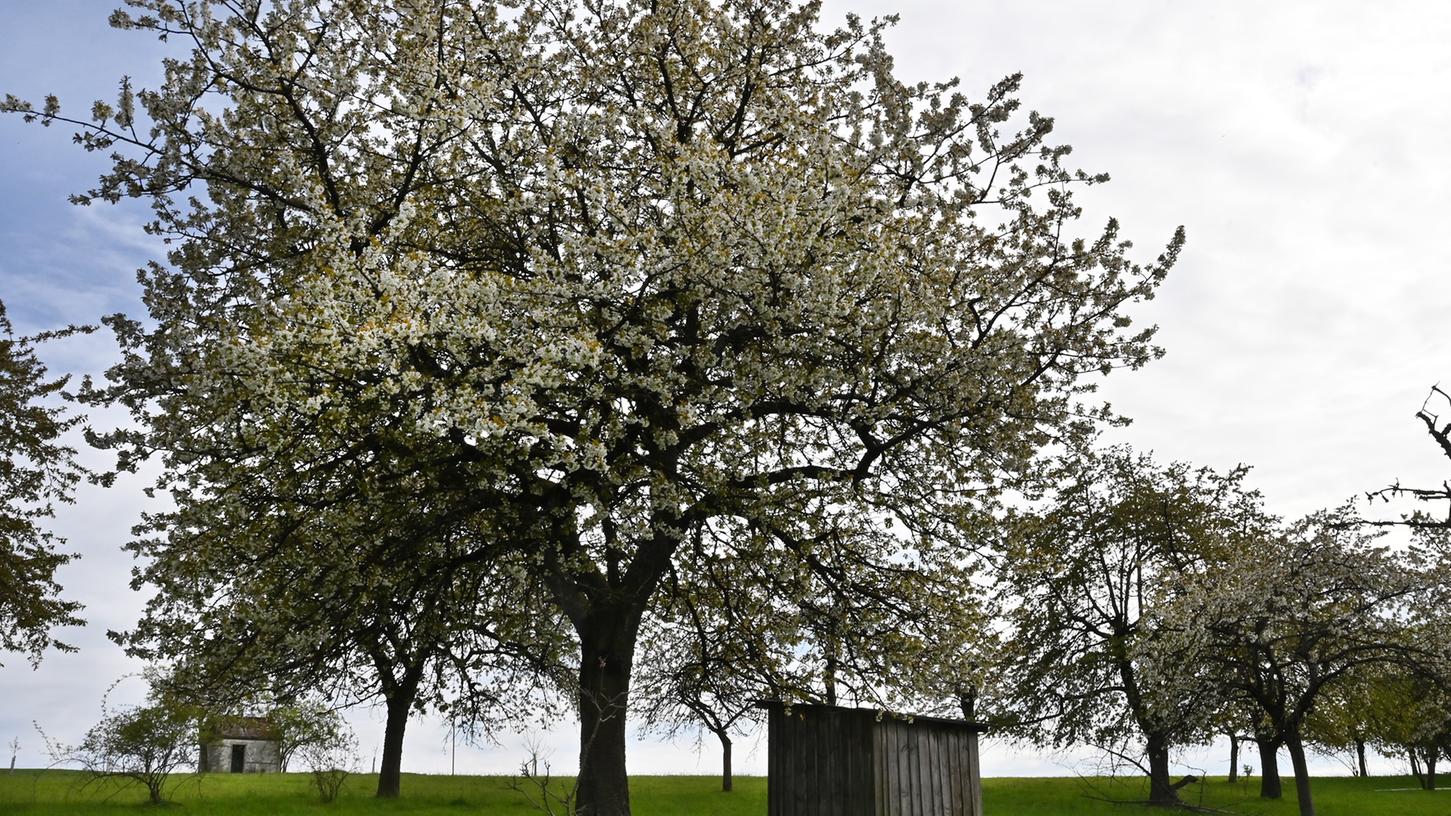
{"x": 957, "y": 767}
{"x": 826, "y": 761}
{"x": 975, "y": 775}
{"x": 906, "y": 771}
{"x": 938, "y": 764}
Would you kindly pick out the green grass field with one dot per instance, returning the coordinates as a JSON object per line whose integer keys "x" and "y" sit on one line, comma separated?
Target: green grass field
{"x": 62, "y": 792}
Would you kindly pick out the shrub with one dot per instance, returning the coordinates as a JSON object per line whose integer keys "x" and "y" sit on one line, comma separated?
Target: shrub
{"x": 331, "y": 759}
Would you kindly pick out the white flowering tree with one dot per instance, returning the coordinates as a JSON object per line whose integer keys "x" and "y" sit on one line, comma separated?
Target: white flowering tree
{"x": 284, "y": 603}
{"x": 1082, "y": 580}
{"x": 1293, "y": 615}
{"x": 38, "y": 470}
{"x": 622, "y": 268}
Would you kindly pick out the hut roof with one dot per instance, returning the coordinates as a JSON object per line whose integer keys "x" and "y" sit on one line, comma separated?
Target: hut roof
{"x": 253, "y": 728}
{"x": 878, "y": 714}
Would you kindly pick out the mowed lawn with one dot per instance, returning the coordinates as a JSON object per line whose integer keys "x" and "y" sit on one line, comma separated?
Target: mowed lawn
{"x": 62, "y": 792}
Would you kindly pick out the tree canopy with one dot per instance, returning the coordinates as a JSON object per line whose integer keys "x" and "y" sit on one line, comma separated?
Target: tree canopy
{"x": 1277, "y": 627}
{"x": 1083, "y": 582}
{"x": 37, "y": 471}
{"x": 603, "y": 273}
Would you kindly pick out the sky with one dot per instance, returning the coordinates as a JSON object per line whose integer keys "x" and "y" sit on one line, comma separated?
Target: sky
{"x": 1302, "y": 145}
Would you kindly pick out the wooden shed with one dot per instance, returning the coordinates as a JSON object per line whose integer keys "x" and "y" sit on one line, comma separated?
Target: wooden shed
{"x": 241, "y": 745}
{"x": 834, "y": 761}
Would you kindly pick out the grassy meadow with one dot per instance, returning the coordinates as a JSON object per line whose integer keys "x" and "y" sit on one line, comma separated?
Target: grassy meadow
{"x": 54, "y": 793}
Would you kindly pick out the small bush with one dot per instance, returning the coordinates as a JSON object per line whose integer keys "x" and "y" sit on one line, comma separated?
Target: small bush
{"x": 331, "y": 760}
{"x": 329, "y": 782}
{"x": 143, "y": 744}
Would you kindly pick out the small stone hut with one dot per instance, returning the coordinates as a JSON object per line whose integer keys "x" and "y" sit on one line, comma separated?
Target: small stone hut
{"x": 834, "y": 761}
{"x": 241, "y": 745}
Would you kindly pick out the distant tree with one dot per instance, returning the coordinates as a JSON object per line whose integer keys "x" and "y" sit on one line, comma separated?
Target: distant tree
{"x": 687, "y": 679}
{"x": 712, "y": 650}
{"x": 1410, "y": 717}
{"x": 958, "y": 666}
{"x": 1081, "y": 579}
{"x": 143, "y": 744}
{"x": 333, "y": 614}
{"x": 1403, "y": 708}
{"x": 310, "y": 722}
{"x": 37, "y": 471}
{"x": 1236, "y": 721}
{"x": 331, "y": 756}
{"x": 1349, "y": 713}
{"x": 736, "y": 622}
{"x": 1289, "y": 617}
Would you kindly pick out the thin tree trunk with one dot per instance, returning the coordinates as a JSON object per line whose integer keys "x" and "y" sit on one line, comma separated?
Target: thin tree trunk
{"x": 1416, "y": 767}
{"x": 1161, "y": 790}
{"x": 828, "y": 677}
{"x": 1302, "y": 774}
{"x": 967, "y": 701}
{"x": 391, "y": 773}
{"x": 1233, "y": 757}
{"x": 725, "y": 760}
{"x": 1270, "y": 787}
{"x": 607, "y": 650}
{"x": 1360, "y": 756}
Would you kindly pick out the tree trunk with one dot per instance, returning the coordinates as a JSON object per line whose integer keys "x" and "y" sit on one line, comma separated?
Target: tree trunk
{"x": 1302, "y": 774}
{"x": 1360, "y": 757}
{"x": 1431, "y": 768}
{"x": 725, "y": 760}
{"x": 607, "y": 651}
{"x": 828, "y": 677}
{"x": 1416, "y": 767}
{"x": 1270, "y": 787}
{"x": 1233, "y": 757}
{"x": 967, "y": 701}
{"x": 1161, "y": 790}
{"x": 390, "y": 775}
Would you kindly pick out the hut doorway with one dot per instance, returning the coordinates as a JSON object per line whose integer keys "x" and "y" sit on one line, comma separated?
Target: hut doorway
{"x": 239, "y": 758}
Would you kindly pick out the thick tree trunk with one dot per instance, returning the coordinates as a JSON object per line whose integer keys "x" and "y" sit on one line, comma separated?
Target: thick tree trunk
{"x": 390, "y": 774}
{"x": 1431, "y": 769}
{"x": 1233, "y": 757}
{"x": 607, "y": 651}
{"x": 725, "y": 760}
{"x": 1270, "y": 787}
{"x": 1360, "y": 757}
{"x": 1161, "y": 789}
{"x": 1302, "y": 774}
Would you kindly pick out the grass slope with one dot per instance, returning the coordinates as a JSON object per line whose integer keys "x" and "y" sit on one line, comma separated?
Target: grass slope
{"x": 52, "y": 793}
